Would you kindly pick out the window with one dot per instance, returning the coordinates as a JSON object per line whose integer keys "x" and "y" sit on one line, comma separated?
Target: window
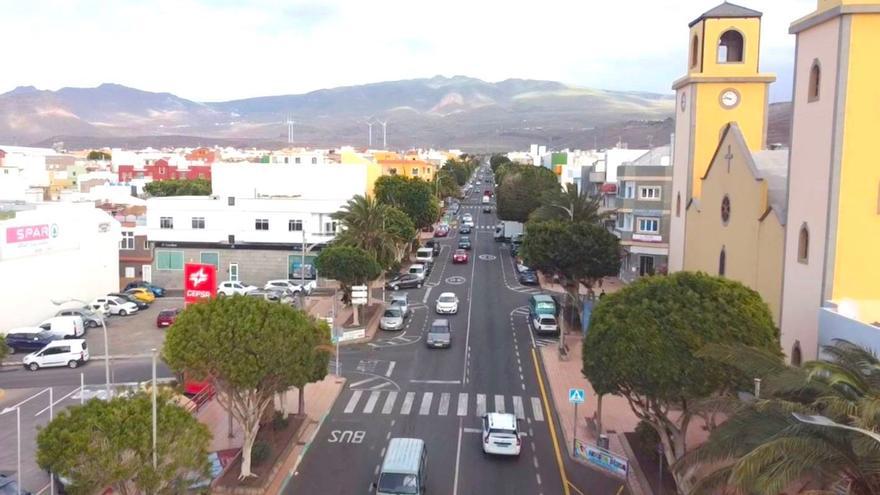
{"x": 722, "y": 262}
{"x": 804, "y": 244}
{"x": 649, "y": 192}
{"x": 695, "y": 50}
{"x": 725, "y": 210}
{"x": 198, "y": 222}
{"x": 678, "y": 205}
{"x": 314, "y": 160}
{"x": 129, "y": 272}
{"x": 415, "y": 172}
{"x": 294, "y": 225}
{"x": 127, "y": 241}
{"x": 261, "y": 224}
{"x": 330, "y": 227}
{"x": 297, "y": 160}
{"x": 392, "y": 171}
{"x": 169, "y": 260}
{"x": 230, "y": 201}
{"x": 146, "y": 245}
{"x": 628, "y": 191}
{"x": 730, "y": 47}
{"x": 286, "y": 160}
{"x": 649, "y": 225}
{"x": 625, "y": 222}
{"x": 210, "y": 258}
{"x": 166, "y": 223}
{"x": 815, "y": 82}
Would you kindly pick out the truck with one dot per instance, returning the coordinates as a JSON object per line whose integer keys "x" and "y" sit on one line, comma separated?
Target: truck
{"x": 507, "y": 230}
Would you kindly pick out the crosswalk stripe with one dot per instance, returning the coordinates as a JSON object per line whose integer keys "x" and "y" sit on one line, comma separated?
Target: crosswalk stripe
{"x": 499, "y": 404}
{"x": 389, "y": 402}
{"x": 425, "y": 408}
{"x": 352, "y": 403}
{"x": 518, "y": 407}
{"x": 444, "y": 404}
{"x": 462, "y": 404}
{"x": 381, "y": 385}
{"x": 481, "y": 404}
{"x": 407, "y": 403}
{"x": 537, "y": 412}
{"x": 368, "y": 380}
{"x": 371, "y": 402}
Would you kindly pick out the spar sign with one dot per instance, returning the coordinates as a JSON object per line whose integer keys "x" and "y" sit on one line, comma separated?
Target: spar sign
{"x": 31, "y": 233}
{"x": 199, "y": 282}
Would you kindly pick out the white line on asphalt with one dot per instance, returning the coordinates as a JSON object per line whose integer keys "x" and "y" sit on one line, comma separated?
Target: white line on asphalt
{"x": 368, "y": 380}
{"x": 425, "y": 408}
{"x": 462, "y": 403}
{"x": 467, "y": 337}
{"x": 382, "y": 454}
{"x": 481, "y": 405}
{"x": 371, "y": 402}
{"x": 520, "y": 370}
{"x": 427, "y": 293}
{"x": 391, "y": 366}
{"x": 444, "y": 404}
{"x": 538, "y": 477}
{"x": 518, "y": 407}
{"x": 457, "y": 460}
{"x": 438, "y": 382}
{"x": 471, "y": 430}
{"x": 523, "y": 386}
{"x": 388, "y": 436}
{"x": 536, "y": 409}
{"x": 376, "y": 471}
{"x": 499, "y": 404}
{"x": 389, "y": 403}
{"x": 407, "y": 403}
{"x": 381, "y": 385}
{"x": 352, "y": 403}
{"x": 535, "y": 462}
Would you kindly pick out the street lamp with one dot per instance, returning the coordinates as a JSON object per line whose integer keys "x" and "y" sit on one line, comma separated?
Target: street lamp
{"x": 106, "y": 340}
{"x": 17, "y": 409}
{"x": 818, "y": 420}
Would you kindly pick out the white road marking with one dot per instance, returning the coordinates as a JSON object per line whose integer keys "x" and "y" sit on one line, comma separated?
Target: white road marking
{"x": 462, "y": 404}
{"x": 427, "y": 293}
{"x": 371, "y": 402}
{"x": 499, "y": 404}
{"x": 457, "y": 461}
{"x": 381, "y": 385}
{"x": 467, "y": 337}
{"x": 391, "y": 366}
{"x": 407, "y": 403}
{"x": 481, "y": 404}
{"x": 389, "y": 403}
{"x": 438, "y": 382}
{"x": 518, "y": 407}
{"x": 444, "y": 404}
{"x": 352, "y": 403}
{"x": 537, "y": 413}
{"x": 425, "y": 408}
{"x": 368, "y": 380}
{"x": 472, "y": 430}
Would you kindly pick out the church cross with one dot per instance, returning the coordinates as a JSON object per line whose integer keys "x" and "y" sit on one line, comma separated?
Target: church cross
{"x": 729, "y": 157}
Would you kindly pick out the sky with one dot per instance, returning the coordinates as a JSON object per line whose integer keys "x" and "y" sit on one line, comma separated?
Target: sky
{"x": 214, "y": 50}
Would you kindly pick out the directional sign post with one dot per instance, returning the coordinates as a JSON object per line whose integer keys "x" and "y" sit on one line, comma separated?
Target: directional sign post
{"x": 358, "y": 297}
{"x": 575, "y": 396}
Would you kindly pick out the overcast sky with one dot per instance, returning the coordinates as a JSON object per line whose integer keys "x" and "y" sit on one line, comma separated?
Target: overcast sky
{"x": 210, "y": 50}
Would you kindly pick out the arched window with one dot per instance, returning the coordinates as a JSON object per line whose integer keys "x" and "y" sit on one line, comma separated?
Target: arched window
{"x": 722, "y": 262}
{"x": 730, "y": 47}
{"x": 695, "y": 50}
{"x": 678, "y": 205}
{"x": 804, "y": 244}
{"x": 796, "y": 353}
{"x": 815, "y": 82}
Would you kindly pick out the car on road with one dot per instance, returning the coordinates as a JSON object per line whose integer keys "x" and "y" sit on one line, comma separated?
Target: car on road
{"x": 69, "y": 352}
{"x": 418, "y": 269}
{"x": 464, "y": 243}
{"x": 522, "y": 268}
{"x": 233, "y": 287}
{"x": 291, "y": 285}
{"x": 129, "y": 298}
{"x": 141, "y": 294}
{"x": 155, "y": 289}
{"x": 460, "y": 256}
{"x": 439, "y": 334}
{"x": 404, "y": 468}
{"x": 467, "y": 217}
{"x": 405, "y": 281}
{"x": 441, "y": 231}
{"x": 425, "y": 254}
{"x": 115, "y": 305}
{"x": 392, "y": 319}
{"x": 91, "y": 319}
{"x": 447, "y": 303}
{"x": 401, "y": 301}
{"x": 528, "y": 277}
{"x": 167, "y": 317}
{"x": 29, "y": 341}
{"x": 487, "y": 209}
{"x": 9, "y": 486}
{"x": 500, "y": 434}
{"x": 545, "y": 323}
{"x": 66, "y": 327}
{"x": 465, "y": 229}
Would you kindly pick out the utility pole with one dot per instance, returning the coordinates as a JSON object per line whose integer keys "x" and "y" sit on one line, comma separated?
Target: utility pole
{"x": 155, "y": 420}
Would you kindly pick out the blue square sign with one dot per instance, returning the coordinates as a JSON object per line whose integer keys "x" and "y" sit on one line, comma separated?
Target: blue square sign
{"x": 576, "y": 395}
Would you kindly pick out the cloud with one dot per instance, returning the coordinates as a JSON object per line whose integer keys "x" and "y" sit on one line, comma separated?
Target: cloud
{"x": 223, "y": 49}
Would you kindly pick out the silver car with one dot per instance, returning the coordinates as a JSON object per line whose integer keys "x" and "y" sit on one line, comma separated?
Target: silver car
{"x": 439, "y": 335}
{"x": 392, "y": 319}
{"x": 401, "y": 301}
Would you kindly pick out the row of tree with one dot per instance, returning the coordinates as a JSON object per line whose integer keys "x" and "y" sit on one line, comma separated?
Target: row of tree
{"x": 179, "y": 187}
{"x": 521, "y": 188}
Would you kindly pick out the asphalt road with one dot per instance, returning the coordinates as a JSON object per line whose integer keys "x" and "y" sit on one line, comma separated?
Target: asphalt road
{"x": 399, "y": 388}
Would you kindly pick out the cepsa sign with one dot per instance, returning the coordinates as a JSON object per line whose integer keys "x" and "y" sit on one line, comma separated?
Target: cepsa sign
{"x": 199, "y": 282}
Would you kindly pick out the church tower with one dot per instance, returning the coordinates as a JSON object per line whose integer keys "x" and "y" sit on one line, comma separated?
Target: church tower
{"x": 722, "y": 85}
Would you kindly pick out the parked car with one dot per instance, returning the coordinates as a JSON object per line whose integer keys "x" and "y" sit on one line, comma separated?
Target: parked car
{"x": 142, "y": 294}
{"x": 464, "y": 229}
{"x": 418, "y": 269}
{"x": 91, "y": 319}
{"x": 9, "y": 486}
{"x": 392, "y": 319}
{"x": 166, "y": 317}
{"x": 543, "y": 323}
{"x": 464, "y": 243}
{"x": 528, "y": 277}
{"x": 128, "y": 297}
{"x": 29, "y": 341}
{"x": 425, "y": 254}
{"x": 233, "y": 287}
{"x": 405, "y": 281}
{"x": 441, "y": 231}
{"x": 460, "y": 256}
{"x": 291, "y": 285}
{"x": 500, "y": 434}
{"x": 447, "y": 303}
{"x": 273, "y": 295}
{"x": 401, "y": 301}
{"x": 70, "y": 353}
{"x": 115, "y": 305}
{"x": 155, "y": 289}
{"x": 522, "y": 268}
{"x": 434, "y": 245}
{"x": 439, "y": 334}
{"x": 64, "y": 326}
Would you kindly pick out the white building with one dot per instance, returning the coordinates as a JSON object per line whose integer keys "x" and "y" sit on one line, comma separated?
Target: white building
{"x": 299, "y": 156}
{"x": 54, "y": 251}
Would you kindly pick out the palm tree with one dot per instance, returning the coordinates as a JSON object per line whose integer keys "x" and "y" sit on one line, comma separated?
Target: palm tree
{"x": 363, "y": 225}
{"x": 763, "y": 449}
{"x": 571, "y": 205}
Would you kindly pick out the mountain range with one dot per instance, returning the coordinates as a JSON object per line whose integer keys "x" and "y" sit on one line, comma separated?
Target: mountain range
{"x": 443, "y": 112}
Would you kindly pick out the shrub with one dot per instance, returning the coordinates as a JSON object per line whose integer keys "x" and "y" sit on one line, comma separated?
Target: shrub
{"x": 260, "y": 453}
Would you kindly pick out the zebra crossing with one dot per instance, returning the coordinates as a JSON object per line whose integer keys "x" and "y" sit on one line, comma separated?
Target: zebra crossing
{"x": 385, "y": 402}
{"x": 540, "y": 341}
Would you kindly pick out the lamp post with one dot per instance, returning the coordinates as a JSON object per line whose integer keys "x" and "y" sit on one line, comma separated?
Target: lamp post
{"x": 155, "y": 394}
{"x": 106, "y": 341}
{"x": 817, "y": 420}
{"x": 17, "y": 409}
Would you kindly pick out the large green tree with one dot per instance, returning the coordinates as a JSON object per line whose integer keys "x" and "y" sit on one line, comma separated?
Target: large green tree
{"x": 520, "y": 188}
{"x": 644, "y": 343}
{"x": 179, "y": 187}
{"x": 98, "y": 155}
{"x": 496, "y": 161}
{"x": 250, "y": 350}
{"x": 401, "y": 229}
{"x": 349, "y": 266}
{"x": 569, "y": 204}
{"x": 413, "y": 196}
{"x": 105, "y": 444}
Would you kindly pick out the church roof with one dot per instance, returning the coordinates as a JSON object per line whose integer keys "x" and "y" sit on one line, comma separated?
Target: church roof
{"x": 772, "y": 166}
{"x": 726, "y": 10}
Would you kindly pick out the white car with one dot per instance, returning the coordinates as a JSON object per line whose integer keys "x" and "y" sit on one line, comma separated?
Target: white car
{"x": 231, "y": 288}
{"x": 291, "y": 286}
{"x": 447, "y": 303}
{"x": 65, "y": 326}
{"x": 500, "y": 434}
{"x": 70, "y": 353}
{"x": 114, "y": 305}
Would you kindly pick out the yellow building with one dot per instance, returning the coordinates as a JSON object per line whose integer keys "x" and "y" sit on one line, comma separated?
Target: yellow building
{"x": 723, "y": 84}
{"x": 736, "y": 228}
{"x": 408, "y": 168}
{"x": 831, "y": 287}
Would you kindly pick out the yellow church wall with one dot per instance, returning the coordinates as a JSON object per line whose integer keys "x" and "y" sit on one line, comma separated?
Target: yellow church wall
{"x": 856, "y": 274}
{"x": 751, "y": 31}
{"x": 768, "y": 277}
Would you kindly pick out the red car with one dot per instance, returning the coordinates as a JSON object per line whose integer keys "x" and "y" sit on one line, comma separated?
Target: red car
{"x": 166, "y": 317}
{"x": 441, "y": 231}
{"x": 460, "y": 256}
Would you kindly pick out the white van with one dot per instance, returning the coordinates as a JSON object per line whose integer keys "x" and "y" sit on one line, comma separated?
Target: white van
{"x": 70, "y": 353}
{"x": 64, "y": 326}
{"x": 404, "y": 468}
{"x": 425, "y": 254}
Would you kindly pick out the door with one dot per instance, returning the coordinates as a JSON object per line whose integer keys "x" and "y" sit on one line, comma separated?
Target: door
{"x": 646, "y": 265}
{"x": 233, "y": 272}
{"x": 147, "y": 273}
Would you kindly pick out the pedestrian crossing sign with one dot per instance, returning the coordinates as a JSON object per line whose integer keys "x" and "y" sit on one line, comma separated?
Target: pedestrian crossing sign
{"x": 576, "y": 395}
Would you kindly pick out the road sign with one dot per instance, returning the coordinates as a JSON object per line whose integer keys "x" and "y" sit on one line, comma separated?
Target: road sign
{"x": 353, "y": 335}
{"x": 359, "y": 293}
{"x": 576, "y": 395}
{"x": 359, "y": 300}
{"x": 359, "y": 288}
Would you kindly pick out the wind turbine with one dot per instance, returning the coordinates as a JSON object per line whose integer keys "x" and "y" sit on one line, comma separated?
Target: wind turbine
{"x": 370, "y": 126}
{"x": 290, "y": 123}
{"x": 384, "y": 133}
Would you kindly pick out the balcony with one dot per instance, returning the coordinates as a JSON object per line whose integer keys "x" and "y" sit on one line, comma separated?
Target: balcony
{"x": 855, "y": 321}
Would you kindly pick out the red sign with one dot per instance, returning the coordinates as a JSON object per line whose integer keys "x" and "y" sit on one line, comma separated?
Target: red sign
{"x": 199, "y": 282}
{"x": 27, "y": 233}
